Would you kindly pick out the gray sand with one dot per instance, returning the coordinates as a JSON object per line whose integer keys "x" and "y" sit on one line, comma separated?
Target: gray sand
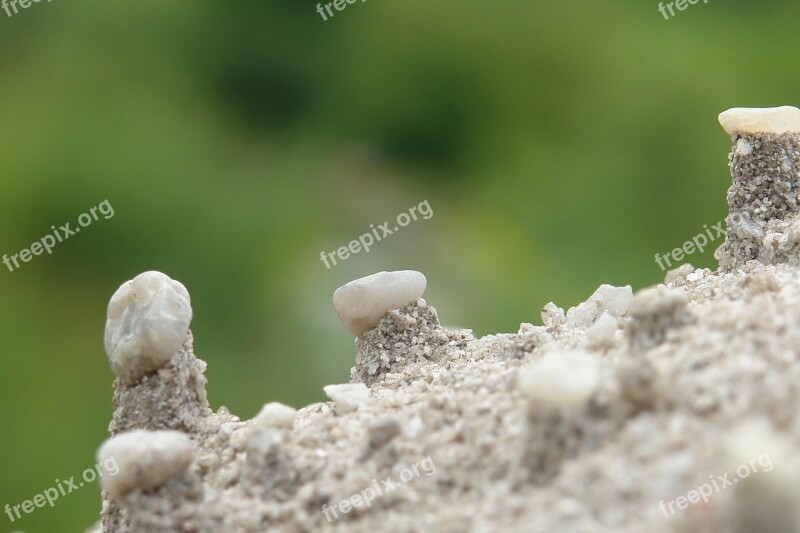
{"x": 696, "y": 379}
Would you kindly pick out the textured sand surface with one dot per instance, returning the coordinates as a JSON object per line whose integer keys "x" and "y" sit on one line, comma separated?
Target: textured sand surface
{"x": 685, "y": 420}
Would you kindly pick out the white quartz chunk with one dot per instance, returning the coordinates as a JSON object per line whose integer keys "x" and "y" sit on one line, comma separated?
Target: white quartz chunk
{"x": 275, "y": 415}
{"x": 347, "y": 397}
{"x": 601, "y": 333}
{"x": 783, "y": 119}
{"x": 361, "y": 303}
{"x": 560, "y": 379}
{"x": 613, "y": 300}
{"x": 148, "y": 321}
{"x": 144, "y": 459}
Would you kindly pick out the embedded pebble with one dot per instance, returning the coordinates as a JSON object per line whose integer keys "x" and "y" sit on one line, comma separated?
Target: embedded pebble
{"x": 347, "y": 397}
{"x": 680, "y": 272}
{"x": 601, "y": 333}
{"x": 361, "y": 303}
{"x": 605, "y": 298}
{"x": 145, "y": 459}
{"x": 148, "y": 322}
{"x": 560, "y": 378}
{"x": 275, "y": 415}
{"x": 784, "y": 119}
{"x": 553, "y": 315}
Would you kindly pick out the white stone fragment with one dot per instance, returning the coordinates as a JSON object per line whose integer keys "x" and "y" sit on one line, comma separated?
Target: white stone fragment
{"x": 275, "y": 415}
{"x": 679, "y": 272}
{"x": 553, "y": 315}
{"x": 601, "y": 333}
{"x": 697, "y": 275}
{"x": 560, "y": 379}
{"x": 743, "y": 147}
{"x": 785, "y": 119}
{"x": 144, "y": 459}
{"x": 148, "y": 321}
{"x": 347, "y": 397}
{"x": 362, "y": 302}
{"x": 608, "y": 298}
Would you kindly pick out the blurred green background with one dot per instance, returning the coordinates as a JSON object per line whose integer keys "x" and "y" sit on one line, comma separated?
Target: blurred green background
{"x": 561, "y": 145}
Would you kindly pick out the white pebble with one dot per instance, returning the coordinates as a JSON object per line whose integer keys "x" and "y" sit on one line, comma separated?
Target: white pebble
{"x": 347, "y": 397}
{"x": 680, "y": 272}
{"x": 553, "y": 315}
{"x": 743, "y": 147}
{"x": 361, "y": 303}
{"x": 145, "y": 459}
{"x": 275, "y": 415}
{"x": 608, "y": 298}
{"x": 560, "y": 379}
{"x": 601, "y": 333}
{"x": 148, "y": 321}
{"x": 783, "y": 119}
{"x": 697, "y": 275}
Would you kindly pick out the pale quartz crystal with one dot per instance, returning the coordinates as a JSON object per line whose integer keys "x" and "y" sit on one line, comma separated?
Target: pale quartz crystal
{"x": 361, "y": 303}
{"x": 347, "y": 397}
{"x": 148, "y": 322}
{"x": 144, "y": 460}
{"x": 785, "y": 119}
{"x": 679, "y": 272}
{"x": 553, "y": 315}
{"x": 601, "y": 333}
{"x": 560, "y": 379}
{"x": 608, "y": 298}
{"x": 275, "y": 415}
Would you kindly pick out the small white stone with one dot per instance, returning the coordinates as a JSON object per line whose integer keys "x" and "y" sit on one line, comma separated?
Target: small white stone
{"x": 785, "y": 119}
{"x": 148, "y": 321}
{"x": 614, "y": 299}
{"x": 605, "y": 298}
{"x": 695, "y": 276}
{"x": 275, "y": 415}
{"x": 743, "y": 147}
{"x": 553, "y": 315}
{"x": 679, "y": 272}
{"x": 144, "y": 459}
{"x": 601, "y": 333}
{"x": 560, "y": 379}
{"x": 362, "y": 302}
{"x": 347, "y": 397}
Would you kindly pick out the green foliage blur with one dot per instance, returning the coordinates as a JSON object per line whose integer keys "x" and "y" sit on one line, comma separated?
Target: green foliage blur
{"x": 561, "y": 145}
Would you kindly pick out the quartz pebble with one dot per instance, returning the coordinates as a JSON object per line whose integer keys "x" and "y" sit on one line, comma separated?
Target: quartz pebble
{"x": 147, "y": 323}
{"x": 347, "y": 396}
{"x": 608, "y": 298}
{"x": 601, "y": 333}
{"x": 362, "y": 302}
{"x": 553, "y": 315}
{"x": 145, "y": 459}
{"x": 560, "y": 379}
{"x": 785, "y": 119}
{"x": 275, "y": 415}
{"x": 679, "y": 272}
